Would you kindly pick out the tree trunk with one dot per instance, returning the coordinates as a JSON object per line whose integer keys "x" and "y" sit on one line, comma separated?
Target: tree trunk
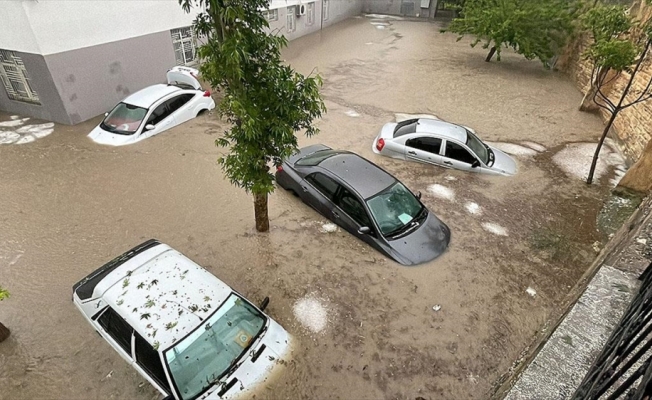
{"x": 597, "y": 149}
{"x": 588, "y": 104}
{"x": 260, "y": 212}
{"x": 639, "y": 177}
{"x": 491, "y": 54}
{"x": 4, "y": 333}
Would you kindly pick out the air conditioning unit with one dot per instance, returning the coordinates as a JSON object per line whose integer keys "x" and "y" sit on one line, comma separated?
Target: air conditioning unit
{"x": 302, "y": 9}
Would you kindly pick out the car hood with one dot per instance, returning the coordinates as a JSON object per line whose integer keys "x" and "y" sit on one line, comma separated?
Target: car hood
{"x": 424, "y": 244}
{"x": 503, "y": 163}
{"x": 99, "y": 135}
{"x": 251, "y": 375}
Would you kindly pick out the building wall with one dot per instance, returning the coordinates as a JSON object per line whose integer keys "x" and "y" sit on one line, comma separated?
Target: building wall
{"x": 51, "y": 107}
{"x": 109, "y": 72}
{"x": 58, "y": 26}
{"x": 408, "y": 8}
{"x": 85, "y": 56}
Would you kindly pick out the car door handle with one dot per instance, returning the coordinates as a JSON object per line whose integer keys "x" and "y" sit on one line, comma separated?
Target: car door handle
{"x": 448, "y": 163}
{"x": 335, "y": 215}
{"x": 305, "y": 189}
{"x": 414, "y": 153}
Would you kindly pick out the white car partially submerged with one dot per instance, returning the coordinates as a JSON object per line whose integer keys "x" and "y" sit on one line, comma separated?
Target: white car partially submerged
{"x": 185, "y": 331}
{"x": 433, "y": 141}
{"x": 154, "y": 109}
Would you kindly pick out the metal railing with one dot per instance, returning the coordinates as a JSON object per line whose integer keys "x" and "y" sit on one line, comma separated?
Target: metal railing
{"x": 624, "y": 368}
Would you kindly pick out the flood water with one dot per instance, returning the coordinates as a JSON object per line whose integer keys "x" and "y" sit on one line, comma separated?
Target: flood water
{"x": 68, "y": 205}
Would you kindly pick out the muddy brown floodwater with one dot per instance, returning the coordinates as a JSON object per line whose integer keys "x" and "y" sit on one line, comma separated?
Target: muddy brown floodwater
{"x": 68, "y": 205}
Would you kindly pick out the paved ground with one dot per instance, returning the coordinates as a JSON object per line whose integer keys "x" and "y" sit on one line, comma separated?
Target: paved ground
{"x": 68, "y": 205}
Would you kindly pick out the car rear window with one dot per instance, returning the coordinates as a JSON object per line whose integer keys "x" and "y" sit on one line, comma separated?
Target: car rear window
{"x": 405, "y": 127}
{"x": 315, "y": 158}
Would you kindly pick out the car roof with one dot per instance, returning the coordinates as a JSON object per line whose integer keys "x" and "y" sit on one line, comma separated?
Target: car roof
{"x": 362, "y": 175}
{"x": 145, "y": 98}
{"x": 442, "y": 128}
{"x": 166, "y": 298}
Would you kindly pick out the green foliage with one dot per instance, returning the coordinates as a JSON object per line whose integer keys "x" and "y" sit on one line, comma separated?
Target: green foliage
{"x": 265, "y": 100}
{"x": 612, "y": 47}
{"x": 534, "y": 29}
{"x": 4, "y": 294}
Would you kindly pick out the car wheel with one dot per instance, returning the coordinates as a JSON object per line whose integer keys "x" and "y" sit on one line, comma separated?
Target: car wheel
{"x": 201, "y": 112}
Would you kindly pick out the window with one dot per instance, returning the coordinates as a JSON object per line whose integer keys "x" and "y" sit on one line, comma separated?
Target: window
{"x": 352, "y": 206}
{"x": 459, "y": 153}
{"x": 159, "y": 114}
{"x": 324, "y": 184}
{"x": 325, "y": 9}
{"x": 431, "y": 145}
{"x": 15, "y": 79}
{"x": 310, "y": 10}
{"x": 290, "y": 19}
{"x": 476, "y": 145}
{"x": 183, "y": 41}
{"x": 317, "y": 157}
{"x": 176, "y": 103}
{"x": 271, "y": 15}
{"x": 117, "y": 328}
{"x": 405, "y": 127}
{"x": 395, "y": 208}
{"x": 150, "y": 360}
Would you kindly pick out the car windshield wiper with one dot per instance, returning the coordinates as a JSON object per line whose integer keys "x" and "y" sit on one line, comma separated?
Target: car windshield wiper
{"x": 413, "y": 223}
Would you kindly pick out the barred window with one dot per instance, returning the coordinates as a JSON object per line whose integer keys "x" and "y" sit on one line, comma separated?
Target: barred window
{"x": 290, "y": 19}
{"x": 15, "y": 79}
{"x": 271, "y": 15}
{"x": 185, "y": 48}
{"x": 311, "y": 13}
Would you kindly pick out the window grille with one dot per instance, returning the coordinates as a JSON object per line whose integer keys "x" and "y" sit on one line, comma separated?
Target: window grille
{"x": 15, "y": 79}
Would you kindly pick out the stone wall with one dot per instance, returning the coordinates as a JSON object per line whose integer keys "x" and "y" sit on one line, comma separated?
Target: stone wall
{"x": 633, "y": 126}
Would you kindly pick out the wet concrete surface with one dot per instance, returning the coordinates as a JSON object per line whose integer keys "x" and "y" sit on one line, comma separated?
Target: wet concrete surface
{"x": 68, "y": 205}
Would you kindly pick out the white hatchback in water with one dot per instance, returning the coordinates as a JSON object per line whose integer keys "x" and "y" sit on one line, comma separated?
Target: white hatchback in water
{"x": 437, "y": 142}
{"x": 185, "y": 331}
{"x": 154, "y": 109}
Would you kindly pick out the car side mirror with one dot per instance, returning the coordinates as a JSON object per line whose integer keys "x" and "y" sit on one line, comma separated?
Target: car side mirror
{"x": 475, "y": 164}
{"x": 419, "y": 195}
{"x": 106, "y": 114}
{"x": 264, "y": 304}
{"x": 364, "y": 230}
{"x": 149, "y": 127}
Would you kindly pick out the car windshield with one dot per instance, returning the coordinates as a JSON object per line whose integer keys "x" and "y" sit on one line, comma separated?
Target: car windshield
{"x": 124, "y": 119}
{"x": 208, "y": 353}
{"x": 477, "y": 147}
{"x": 394, "y": 208}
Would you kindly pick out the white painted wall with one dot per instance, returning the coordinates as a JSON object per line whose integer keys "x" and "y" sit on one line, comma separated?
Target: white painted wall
{"x": 62, "y": 25}
{"x": 15, "y": 31}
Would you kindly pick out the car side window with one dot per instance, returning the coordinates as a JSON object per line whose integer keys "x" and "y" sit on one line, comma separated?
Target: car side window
{"x": 459, "y": 153}
{"x": 150, "y": 360}
{"x": 348, "y": 202}
{"x": 177, "y": 102}
{"x": 431, "y": 145}
{"x": 117, "y": 328}
{"x": 159, "y": 114}
{"x": 324, "y": 184}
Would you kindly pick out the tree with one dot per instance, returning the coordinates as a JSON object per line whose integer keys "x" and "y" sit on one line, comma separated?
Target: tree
{"x": 4, "y": 331}
{"x": 265, "y": 101}
{"x": 617, "y": 44}
{"x": 534, "y": 29}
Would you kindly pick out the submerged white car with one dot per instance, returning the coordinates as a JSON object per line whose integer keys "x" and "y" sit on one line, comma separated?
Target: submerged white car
{"x": 437, "y": 142}
{"x": 154, "y": 109}
{"x": 185, "y": 331}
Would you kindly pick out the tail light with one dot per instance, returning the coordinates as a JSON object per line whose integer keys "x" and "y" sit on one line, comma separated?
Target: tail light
{"x": 207, "y": 93}
{"x": 380, "y": 144}
{"x": 279, "y": 168}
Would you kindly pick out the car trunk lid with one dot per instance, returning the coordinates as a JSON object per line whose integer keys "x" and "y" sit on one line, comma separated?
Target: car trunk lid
{"x": 184, "y": 75}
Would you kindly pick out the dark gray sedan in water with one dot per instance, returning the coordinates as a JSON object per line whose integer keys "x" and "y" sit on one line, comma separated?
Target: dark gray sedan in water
{"x": 367, "y": 201}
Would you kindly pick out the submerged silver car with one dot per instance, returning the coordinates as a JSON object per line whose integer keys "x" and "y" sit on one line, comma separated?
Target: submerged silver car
{"x": 437, "y": 142}
{"x": 366, "y": 201}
